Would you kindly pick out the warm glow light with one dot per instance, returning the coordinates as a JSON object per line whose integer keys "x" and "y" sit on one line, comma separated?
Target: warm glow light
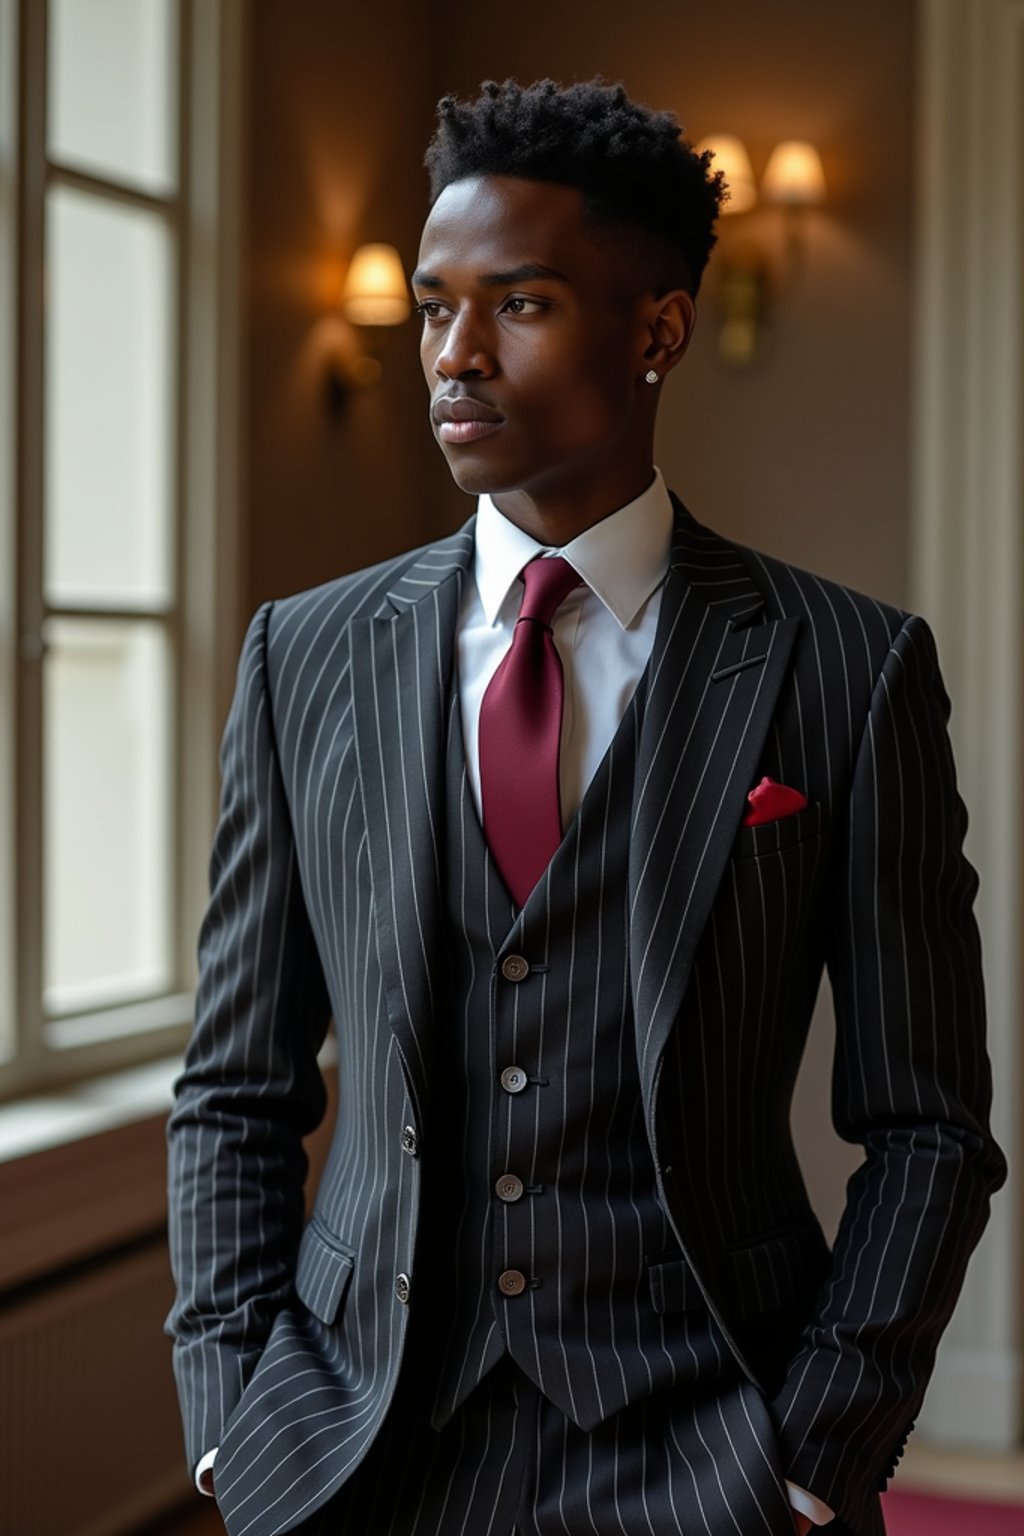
{"x": 732, "y": 160}
{"x": 794, "y": 175}
{"x": 374, "y": 291}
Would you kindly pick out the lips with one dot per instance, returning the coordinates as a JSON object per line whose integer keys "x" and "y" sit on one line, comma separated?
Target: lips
{"x": 464, "y": 408}
{"x": 462, "y": 419}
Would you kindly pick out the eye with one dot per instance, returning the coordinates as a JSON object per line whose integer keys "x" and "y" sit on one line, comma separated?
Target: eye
{"x": 430, "y": 309}
{"x": 520, "y": 304}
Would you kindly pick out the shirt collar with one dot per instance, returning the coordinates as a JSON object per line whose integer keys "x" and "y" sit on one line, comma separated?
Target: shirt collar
{"x": 623, "y": 558}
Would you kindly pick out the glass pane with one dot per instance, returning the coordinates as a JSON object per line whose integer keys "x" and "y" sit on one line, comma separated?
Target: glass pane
{"x": 107, "y": 813}
{"x": 109, "y": 402}
{"x": 111, "y": 89}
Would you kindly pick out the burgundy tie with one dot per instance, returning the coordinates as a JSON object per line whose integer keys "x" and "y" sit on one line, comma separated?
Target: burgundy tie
{"x": 520, "y": 728}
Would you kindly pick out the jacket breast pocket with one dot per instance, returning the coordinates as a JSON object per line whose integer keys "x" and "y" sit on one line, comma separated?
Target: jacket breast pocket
{"x": 323, "y": 1271}
{"x": 777, "y": 836}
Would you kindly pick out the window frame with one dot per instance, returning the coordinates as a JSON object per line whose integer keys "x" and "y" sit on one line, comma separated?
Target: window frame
{"x": 205, "y": 213}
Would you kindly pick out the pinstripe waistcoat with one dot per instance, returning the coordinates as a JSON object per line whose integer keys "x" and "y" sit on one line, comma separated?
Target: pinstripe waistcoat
{"x": 538, "y": 1162}
{"x": 328, "y": 899}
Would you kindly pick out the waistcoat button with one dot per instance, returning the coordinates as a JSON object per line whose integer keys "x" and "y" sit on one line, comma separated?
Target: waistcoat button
{"x": 410, "y": 1142}
{"x": 513, "y": 1079}
{"x": 515, "y": 968}
{"x": 511, "y": 1282}
{"x": 403, "y": 1289}
{"x": 509, "y": 1188}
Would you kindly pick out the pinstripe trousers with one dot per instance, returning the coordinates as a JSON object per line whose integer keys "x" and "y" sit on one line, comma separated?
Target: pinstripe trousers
{"x": 509, "y": 1463}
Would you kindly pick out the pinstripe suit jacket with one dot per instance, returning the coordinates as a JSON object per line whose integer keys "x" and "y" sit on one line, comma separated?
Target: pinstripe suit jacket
{"x": 326, "y": 900}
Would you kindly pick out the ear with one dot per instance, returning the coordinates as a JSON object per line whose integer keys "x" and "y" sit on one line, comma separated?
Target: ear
{"x": 670, "y": 323}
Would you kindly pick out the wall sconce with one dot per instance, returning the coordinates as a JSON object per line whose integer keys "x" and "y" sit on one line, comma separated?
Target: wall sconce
{"x": 732, "y": 160}
{"x": 794, "y": 181}
{"x": 374, "y": 294}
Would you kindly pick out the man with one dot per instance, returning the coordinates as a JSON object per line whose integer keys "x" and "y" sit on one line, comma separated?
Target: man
{"x": 560, "y": 819}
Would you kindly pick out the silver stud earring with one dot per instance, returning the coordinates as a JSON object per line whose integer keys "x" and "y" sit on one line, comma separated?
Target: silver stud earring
{"x": 650, "y": 377}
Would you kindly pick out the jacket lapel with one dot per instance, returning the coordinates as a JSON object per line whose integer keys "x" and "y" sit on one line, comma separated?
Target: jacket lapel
{"x": 715, "y": 674}
{"x": 402, "y": 659}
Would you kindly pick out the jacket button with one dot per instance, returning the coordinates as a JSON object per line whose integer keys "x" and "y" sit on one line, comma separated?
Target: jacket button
{"x": 410, "y": 1141}
{"x": 512, "y": 1282}
{"x": 515, "y": 968}
{"x": 513, "y": 1079}
{"x": 403, "y": 1288}
{"x": 509, "y": 1188}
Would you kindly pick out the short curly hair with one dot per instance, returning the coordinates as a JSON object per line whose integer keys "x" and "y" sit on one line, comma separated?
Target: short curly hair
{"x": 639, "y": 177}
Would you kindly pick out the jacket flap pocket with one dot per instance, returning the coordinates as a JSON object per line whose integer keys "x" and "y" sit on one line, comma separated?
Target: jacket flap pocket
{"x": 778, "y": 1268}
{"x": 323, "y": 1272}
{"x": 673, "y": 1286}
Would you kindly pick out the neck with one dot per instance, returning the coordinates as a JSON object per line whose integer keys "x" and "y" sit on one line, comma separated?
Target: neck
{"x": 560, "y": 517}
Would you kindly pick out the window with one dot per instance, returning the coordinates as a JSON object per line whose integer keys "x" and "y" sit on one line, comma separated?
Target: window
{"x": 119, "y": 130}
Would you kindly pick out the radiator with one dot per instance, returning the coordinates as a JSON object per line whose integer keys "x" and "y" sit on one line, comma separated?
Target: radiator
{"x": 90, "y": 1439}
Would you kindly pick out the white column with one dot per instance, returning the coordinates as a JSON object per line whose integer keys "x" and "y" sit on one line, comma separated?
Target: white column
{"x": 966, "y": 574}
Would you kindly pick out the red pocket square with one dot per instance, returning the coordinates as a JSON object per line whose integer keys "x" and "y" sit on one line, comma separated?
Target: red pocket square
{"x": 770, "y": 802}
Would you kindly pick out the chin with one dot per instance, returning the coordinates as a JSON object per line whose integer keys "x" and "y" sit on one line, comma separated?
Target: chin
{"x": 478, "y": 478}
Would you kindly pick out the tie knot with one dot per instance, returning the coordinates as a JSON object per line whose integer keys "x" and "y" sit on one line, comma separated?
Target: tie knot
{"x": 548, "y": 583}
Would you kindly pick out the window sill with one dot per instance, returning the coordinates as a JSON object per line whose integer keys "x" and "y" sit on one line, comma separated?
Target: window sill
{"x": 42, "y": 1121}
{"x": 82, "y": 1171}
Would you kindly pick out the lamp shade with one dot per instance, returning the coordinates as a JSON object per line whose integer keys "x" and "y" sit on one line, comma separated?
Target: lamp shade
{"x": 732, "y": 160}
{"x": 794, "y": 175}
{"x": 374, "y": 291}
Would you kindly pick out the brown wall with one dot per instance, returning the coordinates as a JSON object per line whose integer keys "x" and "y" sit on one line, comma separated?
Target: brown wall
{"x": 804, "y": 455}
{"x": 340, "y": 108}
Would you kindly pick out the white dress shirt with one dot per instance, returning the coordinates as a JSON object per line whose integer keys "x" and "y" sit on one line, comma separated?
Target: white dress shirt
{"x": 604, "y": 634}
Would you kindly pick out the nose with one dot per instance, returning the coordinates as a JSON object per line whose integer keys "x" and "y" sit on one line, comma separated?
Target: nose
{"x": 464, "y": 351}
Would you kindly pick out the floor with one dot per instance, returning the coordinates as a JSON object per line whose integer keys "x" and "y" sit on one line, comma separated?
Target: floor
{"x": 920, "y": 1514}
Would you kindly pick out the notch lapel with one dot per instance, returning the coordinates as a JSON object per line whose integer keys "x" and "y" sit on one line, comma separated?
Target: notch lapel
{"x": 402, "y": 660}
{"x": 714, "y": 679}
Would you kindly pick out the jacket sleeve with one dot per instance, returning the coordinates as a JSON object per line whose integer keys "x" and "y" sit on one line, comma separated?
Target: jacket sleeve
{"x": 911, "y": 1084}
{"x": 251, "y": 1088}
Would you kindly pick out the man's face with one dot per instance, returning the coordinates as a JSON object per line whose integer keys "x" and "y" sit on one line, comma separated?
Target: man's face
{"x": 529, "y": 319}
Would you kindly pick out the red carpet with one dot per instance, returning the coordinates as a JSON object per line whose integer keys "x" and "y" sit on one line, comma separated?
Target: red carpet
{"x": 922, "y": 1514}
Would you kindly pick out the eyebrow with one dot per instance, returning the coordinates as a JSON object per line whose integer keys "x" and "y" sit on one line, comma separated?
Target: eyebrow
{"x": 529, "y": 271}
